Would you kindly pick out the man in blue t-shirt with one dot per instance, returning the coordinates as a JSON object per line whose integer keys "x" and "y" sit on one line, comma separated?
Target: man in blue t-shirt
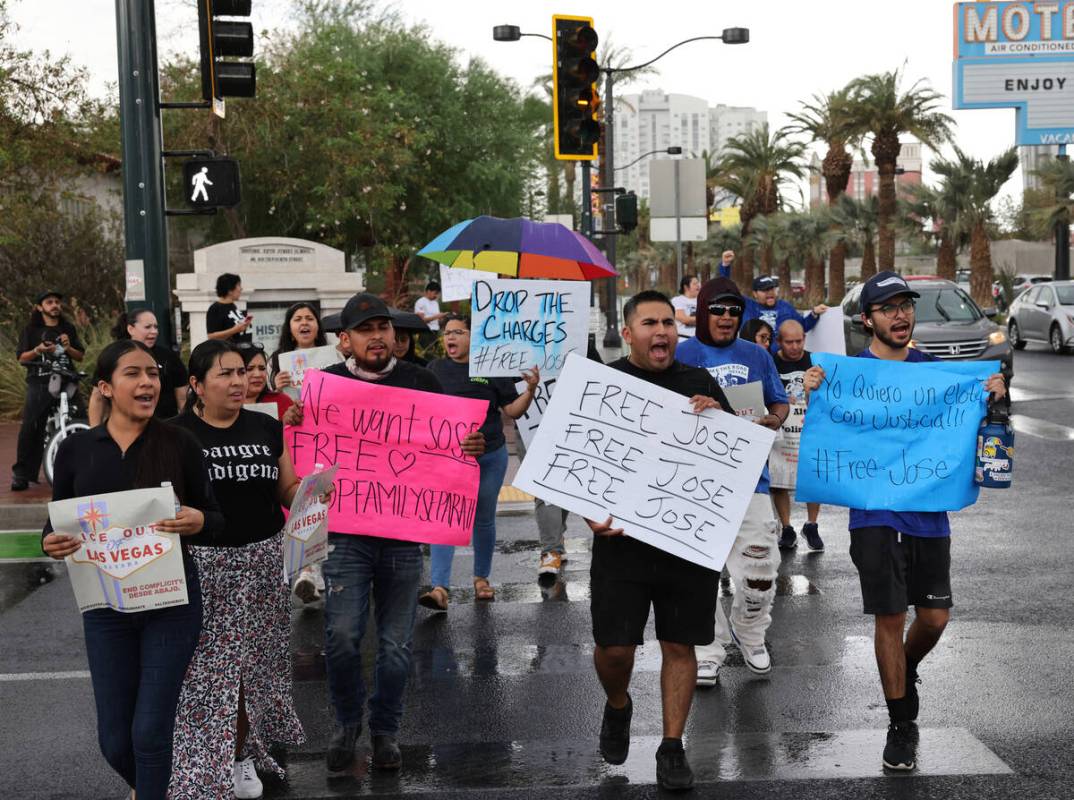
{"x": 765, "y": 304}
{"x": 903, "y": 557}
{"x": 752, "y": 562}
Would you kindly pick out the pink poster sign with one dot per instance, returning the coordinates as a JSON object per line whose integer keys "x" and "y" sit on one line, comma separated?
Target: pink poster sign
{"x": 402, "y": 473}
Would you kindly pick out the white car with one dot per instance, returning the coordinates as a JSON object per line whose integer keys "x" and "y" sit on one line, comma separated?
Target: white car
{"x": 1043, "y": 313}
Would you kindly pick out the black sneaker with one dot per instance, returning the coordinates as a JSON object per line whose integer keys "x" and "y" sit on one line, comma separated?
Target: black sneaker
{"x": 812, "y": 536}
{"x": 19, "y": 484}
{"x": 913, "y": 702}
{"x": 673, "y": 771}
{"x": 340, "y": 753}
{"x": 900, "y": 752}
{"x": 615, "y": 732}
{"x": 386, "y": 753}
{"x": 788, "y": 540}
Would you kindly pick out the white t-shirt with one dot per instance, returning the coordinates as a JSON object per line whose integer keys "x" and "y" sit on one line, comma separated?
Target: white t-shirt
{"x": 689, "y": 307}
{"x": 425, "y": 307}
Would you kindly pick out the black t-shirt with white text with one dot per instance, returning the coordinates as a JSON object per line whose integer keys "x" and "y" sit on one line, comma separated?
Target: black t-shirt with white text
{"x": 792, "y": 374}
{"x": 497, "y": 392}
{"x": 33, "y": 335}
{"x": 678, "y": 378}
{"x": 222, "y": 316}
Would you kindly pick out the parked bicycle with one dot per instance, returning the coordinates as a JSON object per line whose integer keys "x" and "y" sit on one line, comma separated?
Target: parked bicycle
{"x": 68, "y": 415}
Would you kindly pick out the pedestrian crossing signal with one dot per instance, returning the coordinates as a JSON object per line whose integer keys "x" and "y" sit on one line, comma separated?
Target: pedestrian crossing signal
{"x": 211, "y": 182}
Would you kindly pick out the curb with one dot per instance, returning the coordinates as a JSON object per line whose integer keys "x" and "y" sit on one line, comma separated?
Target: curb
{"x": 23, "y": 516}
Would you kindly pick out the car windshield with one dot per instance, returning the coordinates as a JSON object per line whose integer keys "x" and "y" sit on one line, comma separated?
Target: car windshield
{"x": 1066, "y": 295}
{"x": 946, "y": 305}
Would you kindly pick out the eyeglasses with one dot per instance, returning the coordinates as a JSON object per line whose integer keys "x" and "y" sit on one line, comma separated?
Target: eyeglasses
{"x": 719, "y": 309}
{"x": 456, "y": 332}
{"x": 889, "y": 310}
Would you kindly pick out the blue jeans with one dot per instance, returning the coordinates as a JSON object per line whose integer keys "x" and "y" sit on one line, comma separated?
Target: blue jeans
{"x": 137, "y": 662}
{"x": 359, "y": 567}
{"x": 493, "y": 467}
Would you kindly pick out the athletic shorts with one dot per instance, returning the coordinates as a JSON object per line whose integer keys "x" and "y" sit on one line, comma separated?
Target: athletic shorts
{"x": 628, "y": 576}
{"x": 898, "y": 570}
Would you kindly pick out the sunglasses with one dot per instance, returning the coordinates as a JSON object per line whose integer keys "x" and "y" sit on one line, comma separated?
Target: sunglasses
{"x": 719, "y": 309}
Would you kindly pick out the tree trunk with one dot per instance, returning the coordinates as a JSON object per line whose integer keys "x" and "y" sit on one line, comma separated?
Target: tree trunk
{"x": 837, "y": 284}
{"x": 946, "y": 262}
{"x": 766, "y": 260}
{"x": 886, "y": 153}
{"x": 981, "y": 266}
{"x": 785, "y": 292}
{"x": 742, "y": 269}
{"x": 868, "y": 260}
{"x": 836, "y": 169}
{"x": 814, "y": 281}
{"x": 395, "y": 278}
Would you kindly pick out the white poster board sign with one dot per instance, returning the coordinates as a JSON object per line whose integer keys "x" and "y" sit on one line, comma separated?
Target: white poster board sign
{"x": 520, "y": 324}
{"x": 305, "y": 536}
{"x": 747, "y": 399}
{"x": 271, "y": 409}
{"x": 124, "y": 563}
{"x": 297, "y": 362}
{"x": 457, "y": 283}
{"x": 783, "y": 462}
{"x": 613, "y": 445}
{"x": 827, "y": 336}
{"x": 528, "y": 423}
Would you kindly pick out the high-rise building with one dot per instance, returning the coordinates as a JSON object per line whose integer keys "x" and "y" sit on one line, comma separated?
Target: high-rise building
{"x": 1032, "y": 158}
{"x": 864, "y": 179}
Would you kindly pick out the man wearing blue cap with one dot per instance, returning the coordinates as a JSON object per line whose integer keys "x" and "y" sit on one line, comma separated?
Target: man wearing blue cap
{"x": 903, "y": 557}
{"x": 765, "y": 304}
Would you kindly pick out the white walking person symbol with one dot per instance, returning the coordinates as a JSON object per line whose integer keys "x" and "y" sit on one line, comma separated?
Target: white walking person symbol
{"x": 199, "y": 182}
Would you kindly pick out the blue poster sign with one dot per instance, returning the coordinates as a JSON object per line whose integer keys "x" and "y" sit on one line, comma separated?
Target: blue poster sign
{"x": 1018, "y": 54}
{"x": 891, "y": 435}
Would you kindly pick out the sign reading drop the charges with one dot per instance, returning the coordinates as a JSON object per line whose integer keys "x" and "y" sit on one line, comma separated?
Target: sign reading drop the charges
{"x": 402, "y": 472}
{"x": 518, "y": 325}
{"x": 1018, "y": 54}
{"x": 613, "y": 445}
{"x": 891, "y": 435}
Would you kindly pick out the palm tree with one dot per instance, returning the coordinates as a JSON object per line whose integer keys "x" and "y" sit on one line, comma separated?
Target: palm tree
{"x": 857, "y": 222}
{"x": 755, "y": 166}
{"x": 882, "y": 110}
{"x": 982, "y": 183}
{"x": 936, "y": 205}
{"x": 827, "y": 118}
{"x": 1057, "y": 179}
{"x": 710, "y": 250}
{"x": 808, "y": 235}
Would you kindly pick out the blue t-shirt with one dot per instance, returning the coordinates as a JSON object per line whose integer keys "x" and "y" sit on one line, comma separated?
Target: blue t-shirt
{"x": 776, "y": 315}
{"x": 933, "y": 524}
{"x": 738, "y": 363}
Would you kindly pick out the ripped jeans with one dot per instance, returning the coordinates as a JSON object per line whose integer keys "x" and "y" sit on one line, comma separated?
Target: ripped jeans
{"x": 360, "y": 568}
{"x": 753, "y": 557}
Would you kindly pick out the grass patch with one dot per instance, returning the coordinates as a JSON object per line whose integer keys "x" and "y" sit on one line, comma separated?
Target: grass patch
{"x": 21, "y": 545}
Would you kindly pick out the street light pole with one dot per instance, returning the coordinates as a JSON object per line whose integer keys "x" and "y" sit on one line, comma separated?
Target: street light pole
{"x": 678, "y": 230}
{"x": 1062, "y": 235}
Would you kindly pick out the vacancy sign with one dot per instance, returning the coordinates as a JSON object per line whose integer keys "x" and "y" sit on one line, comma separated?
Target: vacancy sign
{"x": 1018, "y": 55}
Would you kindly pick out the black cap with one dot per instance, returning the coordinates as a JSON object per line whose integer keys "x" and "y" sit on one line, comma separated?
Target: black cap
{"x": 330, "y": 322}
{"x": 763, "y": 283}
{"x": 41, "y": 297}
{"x": 363, "y": 306}
{"x": 882, "y": 286}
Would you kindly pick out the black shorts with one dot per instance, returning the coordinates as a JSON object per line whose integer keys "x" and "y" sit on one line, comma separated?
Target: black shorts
{"x": 627, "y": 576}
{"x": 898, "y": 570}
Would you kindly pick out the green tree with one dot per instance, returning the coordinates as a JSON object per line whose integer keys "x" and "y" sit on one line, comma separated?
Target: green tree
{"x": 858, "y": 222}
{"x": 934, "y": 207}
{"x": 1053, "y": 204}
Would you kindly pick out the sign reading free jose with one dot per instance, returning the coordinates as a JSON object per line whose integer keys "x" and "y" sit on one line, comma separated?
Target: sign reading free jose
{"x": 1018, "y": 54}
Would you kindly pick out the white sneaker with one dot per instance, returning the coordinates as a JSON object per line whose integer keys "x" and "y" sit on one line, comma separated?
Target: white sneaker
{"x": 756, "y": 656}
{"x": 246, "y": 783}
{"x": 306, "y": 585}
{"x": 708, "y": 672}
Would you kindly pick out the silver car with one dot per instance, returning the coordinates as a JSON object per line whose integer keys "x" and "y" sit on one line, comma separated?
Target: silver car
{"x": 1044, "y": 313}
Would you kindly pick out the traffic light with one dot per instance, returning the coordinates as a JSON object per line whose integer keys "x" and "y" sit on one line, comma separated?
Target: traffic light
{"x": 225, "y": 38}
{"x": 211, "y": 182}
{"x": 574, "y": 88}
{"x": 626, "y": 211}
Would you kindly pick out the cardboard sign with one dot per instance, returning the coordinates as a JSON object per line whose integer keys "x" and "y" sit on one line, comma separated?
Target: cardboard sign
{"x": 124, "y": 563}
{"x": 402, "y": 473}
{"x": 528, "y": 423}
{"x": 457, "y": 283}
{"x": 747, "y": 399}
{"x": 297, "y": 362}
{"x": 305, "y": 536}
{"x": 892, "y": 435}
{"x": 613, "y": 445}
{"x": 518, "y": 324}
{"x": 827, "y": 335}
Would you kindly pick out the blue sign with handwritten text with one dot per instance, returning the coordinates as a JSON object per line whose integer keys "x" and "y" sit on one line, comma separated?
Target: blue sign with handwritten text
{"x": 892, "y": 435}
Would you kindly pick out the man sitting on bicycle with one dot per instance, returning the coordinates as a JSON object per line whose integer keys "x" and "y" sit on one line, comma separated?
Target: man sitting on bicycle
{"x": 48, "y": 342}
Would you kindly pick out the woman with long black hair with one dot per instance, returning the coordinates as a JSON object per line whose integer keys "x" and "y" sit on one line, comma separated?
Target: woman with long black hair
{"x": 237, "y": 699}
{"x": 257, "y": 387}
{"x": 301, "y": 330}
{"x": 137, "y": 660}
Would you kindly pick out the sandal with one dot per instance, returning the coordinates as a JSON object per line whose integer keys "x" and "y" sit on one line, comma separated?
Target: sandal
{"x": 435, "y": 599}
{"x": 483, "y": 589}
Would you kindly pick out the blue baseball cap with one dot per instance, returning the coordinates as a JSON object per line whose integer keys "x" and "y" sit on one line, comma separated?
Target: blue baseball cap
{"x": 765, "y": 282}
{"x": 883, "y": 286}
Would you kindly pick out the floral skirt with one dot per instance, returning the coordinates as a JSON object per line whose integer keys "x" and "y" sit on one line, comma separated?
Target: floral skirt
{"x": 245, "y": 643}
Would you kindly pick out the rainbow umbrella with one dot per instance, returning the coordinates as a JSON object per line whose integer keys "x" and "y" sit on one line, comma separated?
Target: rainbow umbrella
{"x": 519, "y": 248}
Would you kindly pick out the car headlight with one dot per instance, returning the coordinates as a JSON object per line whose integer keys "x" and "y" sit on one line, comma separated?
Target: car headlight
{"x": 997, "y": 337}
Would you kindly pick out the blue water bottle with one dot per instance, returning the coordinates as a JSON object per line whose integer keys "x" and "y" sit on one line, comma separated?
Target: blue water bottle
{"x": 995, "y": 448}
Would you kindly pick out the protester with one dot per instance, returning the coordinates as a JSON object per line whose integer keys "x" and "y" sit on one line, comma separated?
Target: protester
{"x": 628, "y": 575}
{"x": 685, "y": 303}
{"x": 224, "y": 319}
{"x": 137, "y": 660}
{"x": 407, "y": 327}
{"x": 757, "y": 331}
{"x": 363, "y": 567}
{"x": 765, "y": 304}
{"x": 903, "y": 557}
{"x": 453, "y": 372}
{"x": 428, "y": 309}
{"x": 236, "y": 699}
{"x": 48, "y": 341}
{"x": 257, "y": 390}
{"x": 792, "y": 360}
{"x": 727, "y": 261}
{"x": 141, "y": 326}
{"x": 301, "y": 330}
{"x": 751, "y": 563}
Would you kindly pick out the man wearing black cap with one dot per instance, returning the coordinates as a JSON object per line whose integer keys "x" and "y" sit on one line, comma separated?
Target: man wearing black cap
{"x": 903, "y": 557}
{"x": 752, "y": 562}
{"x": 361, "y": 568}
{"x": 765, "y": 304}
{"x": 49, "y": 340}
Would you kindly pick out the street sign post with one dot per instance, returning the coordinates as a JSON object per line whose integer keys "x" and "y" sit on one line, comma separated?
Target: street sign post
{"x": 211, "y": 182}
{"x": 677, "y": 208}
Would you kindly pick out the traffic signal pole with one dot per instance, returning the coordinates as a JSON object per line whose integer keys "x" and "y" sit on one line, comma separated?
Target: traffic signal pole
{"x": 607, "y": 162}
{"x": 144, "y": 228}
{"x": 1062, "y": 235}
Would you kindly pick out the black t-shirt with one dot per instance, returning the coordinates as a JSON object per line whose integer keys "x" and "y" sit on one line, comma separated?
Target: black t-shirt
{"x": 33, "y": 335}
{"x": 497, "y": 392}
{"x": 792, "y": 373}
{"x": 244, "y": 467}
{"x": 173, "y": 375}
{"x": 222, "y": 316}
{"x": 680, "y": 379}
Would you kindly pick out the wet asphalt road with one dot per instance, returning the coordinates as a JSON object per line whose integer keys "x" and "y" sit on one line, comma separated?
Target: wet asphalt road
{"x": 503, "y": 701}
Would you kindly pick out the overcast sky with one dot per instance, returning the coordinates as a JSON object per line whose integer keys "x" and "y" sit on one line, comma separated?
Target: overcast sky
{"x": 796, "y": 48}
